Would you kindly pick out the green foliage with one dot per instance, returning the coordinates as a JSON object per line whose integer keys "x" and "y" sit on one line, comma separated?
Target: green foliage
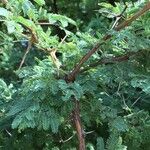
{"x": 6, "y": 91}
{"x": 100, "y": 143}
{"x": 36, "y": 103}
{"x": 115, "y": 142}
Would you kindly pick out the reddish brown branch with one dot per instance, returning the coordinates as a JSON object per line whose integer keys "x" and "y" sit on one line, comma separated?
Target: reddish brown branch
{"x": 77, "y": 122}
{"x": 110, "y": 60}
{"x": 126, "y": 23}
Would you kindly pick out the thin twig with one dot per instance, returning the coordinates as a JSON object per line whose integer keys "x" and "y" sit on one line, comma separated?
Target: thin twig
{"x": 25, "y": 55}
{"x": 115, "y": 23}
{"x": 135, "y": 101}
{"x": 8, "y": 132}
{"x": 64, "y": 141}
{"x": 118, "y": 88}
{"x": 126, "y": 107}
{"x": 44, "y": 23}
{"x": 118, "y": 17}
{"x": 55, "y": 59}
{"x": 63, "y": 40}
{"x": 16, "y": 41}
{"x": 89, "y": 132}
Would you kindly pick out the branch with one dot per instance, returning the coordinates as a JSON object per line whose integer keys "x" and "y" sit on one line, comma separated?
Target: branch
{"x": 25, "y": 55}
{"x": 44, "y": 23}
{"x": 135, "y": 101}
{"x": 64, "y": 141}
{"x": 118, "y": 17}
{"x": 110, "y": 60}
{"x": 8, "y": 132}
{"x": 76, "y": 70}
{"x": 77, "y": 122}
{"x": 31, "y": 41}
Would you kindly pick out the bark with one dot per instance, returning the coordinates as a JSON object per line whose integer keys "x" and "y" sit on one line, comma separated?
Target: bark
{"x": 78, "y": 126}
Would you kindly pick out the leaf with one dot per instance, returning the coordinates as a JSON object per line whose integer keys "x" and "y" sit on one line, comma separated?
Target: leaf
{"x": 90, "y": 146}
{"x": 26, "y": 22}
{"x": 119, "y": 124}
{"x": 144, "y": 84}
{"x": 16, "y": 121}
{"x": 2, "y": 84}
{"x": 29, "y": 115}
{"x": 78, "y": 92}
{"x": 114, "y": 142}
{"x": 45, "y": 121}
{"x": 27, "y": 6}
{"x": 68, "y": 94}
{"x": 53, "y": 18}
{"x": 10, "y": 26}
{"x": 100, "y": 143}
{"x": 18, "y": 106}
{"x": 29, "y": 10}
{"x": 63, "y": 85}
{"x": 4, "y": 12}
{"x": 106, "y": 5}
{"x": 5, "y": 91}
{"x": 40, "y": 2}
{"x": 54, "y": 122}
